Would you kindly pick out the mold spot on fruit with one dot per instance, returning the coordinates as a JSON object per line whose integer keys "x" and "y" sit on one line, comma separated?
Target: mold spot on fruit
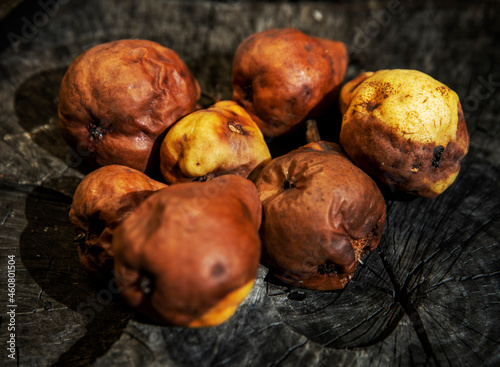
{"x": 204, "y": 178}
{"x": 306, "y": 93}
{"x": 96, "y": 131}
{"x": 373, "y": 105}
{"x": 436, "y": 156}
{"x": 288, "y": 184}
{"x": 236, "y": 128}
{"x": 415, "y": 167}
{"x": 146, "y": 284}
{"x": 327, "y": 268}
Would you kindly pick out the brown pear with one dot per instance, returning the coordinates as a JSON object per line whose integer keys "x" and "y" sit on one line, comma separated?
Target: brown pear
{"x": 284, "y": 77}
{"x": 321, "y": 214}
{"x": 189, "y": 254}
{"x": 102, "y": 200}
{"x": 117, "y": 99}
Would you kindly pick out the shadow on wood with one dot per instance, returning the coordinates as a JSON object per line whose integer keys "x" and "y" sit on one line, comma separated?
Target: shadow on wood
{"x": 49, "y": 254}
{"x": 35, "y": 103}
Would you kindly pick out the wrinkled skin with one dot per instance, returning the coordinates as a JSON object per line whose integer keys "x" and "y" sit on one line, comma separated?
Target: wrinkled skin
{"x": 283, "y": 77}
{"x": 222, "y": 139}
{"x": 320, "y": 215}
{"x": 102, "y": 200}
{"x": 117, "y": 99}
{"x": 189, "y": 254}
{"x": 405, "y": 128}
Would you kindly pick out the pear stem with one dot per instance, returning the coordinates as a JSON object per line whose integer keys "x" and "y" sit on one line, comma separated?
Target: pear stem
{"x": 312, "y": 133}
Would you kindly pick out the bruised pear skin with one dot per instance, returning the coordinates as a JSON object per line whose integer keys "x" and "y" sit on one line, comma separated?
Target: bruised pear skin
{"x": 189, "y": 254}
{"x": 222, "y": 139}
{"x": 284, "y": 77}
{"x": 320, "y": 215}
{"x": 405, "y": 128}
{"x": 102, "y": 200}
{"x": 117, "y": 99}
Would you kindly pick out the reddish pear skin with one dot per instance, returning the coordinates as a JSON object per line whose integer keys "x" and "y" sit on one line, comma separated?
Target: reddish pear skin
{"x": 187, "y": 247}
{"x": 283, "y": 77}
{"x": 102, "y": 200}
{"x": 321, "y": 213}
{"x": 117, "y": 100}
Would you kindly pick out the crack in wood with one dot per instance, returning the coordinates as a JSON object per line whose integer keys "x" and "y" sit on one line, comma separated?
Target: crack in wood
{"x": 288, "y": 353}
{"x": 447, "y": 331}
{"x": 391, "y": 326}
{"x": 479, "y": 276}
{"x": 378, "y": 275}
{"x": 373, "y": 315}
{"x": 464, "y": 324}
{"x": 139, "y": 340}
{"x": 404, "y": 300}
{"x": 270, "y": 326}
{"x": 464, "y": 246}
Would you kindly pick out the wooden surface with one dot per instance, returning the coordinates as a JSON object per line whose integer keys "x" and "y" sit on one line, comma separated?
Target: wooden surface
{"x": 428, "y": 296}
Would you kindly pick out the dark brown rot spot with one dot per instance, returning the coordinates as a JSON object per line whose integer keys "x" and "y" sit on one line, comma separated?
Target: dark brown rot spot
{"x": 248, "y": 92}
{"x": 96, "y": 131}
{"x": 372, "y": 105}
{"x": 305, "y": 92}
{"x": 236, "y": 128}
{"x": 327, "y": 268}
{"x": 288, "y": 185}
{"x": 204, "y": 178}
{"x": 442, "y": 89}
{"x": 217, "y": 270}
{"x": 436, "y": 156}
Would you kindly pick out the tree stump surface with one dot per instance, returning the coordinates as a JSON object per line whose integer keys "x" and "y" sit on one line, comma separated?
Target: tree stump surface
{"x": 429, "y": 295}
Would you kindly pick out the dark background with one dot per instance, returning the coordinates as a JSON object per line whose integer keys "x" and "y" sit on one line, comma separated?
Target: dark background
{"x": 429, "y": 294}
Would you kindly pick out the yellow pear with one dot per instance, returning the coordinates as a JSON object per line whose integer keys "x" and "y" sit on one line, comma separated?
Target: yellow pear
{"x": 404, "y": 127}
{"x": 222, "y": 139}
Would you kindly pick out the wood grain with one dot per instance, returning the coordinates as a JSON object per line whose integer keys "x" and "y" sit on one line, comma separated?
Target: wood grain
{"x": 429, "y": 295}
